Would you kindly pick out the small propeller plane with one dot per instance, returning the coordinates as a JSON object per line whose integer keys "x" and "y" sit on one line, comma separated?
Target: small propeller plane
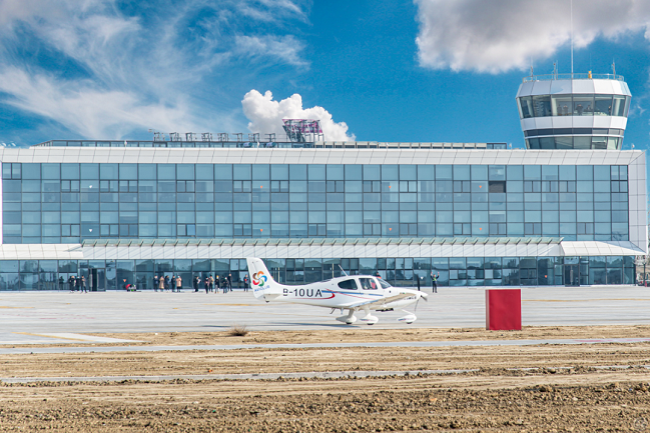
{"x": 354, "y": 293}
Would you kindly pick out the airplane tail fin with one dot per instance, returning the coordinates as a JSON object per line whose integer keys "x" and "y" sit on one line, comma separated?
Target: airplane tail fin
{"x": 262, "y": 283}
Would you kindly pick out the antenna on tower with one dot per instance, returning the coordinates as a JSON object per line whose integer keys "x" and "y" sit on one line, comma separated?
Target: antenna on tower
{"x": 571, "y": 39}
{"x": 614, "y": 68}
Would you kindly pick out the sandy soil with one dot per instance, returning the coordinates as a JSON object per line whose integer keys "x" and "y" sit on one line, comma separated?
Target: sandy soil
{"x": 537, "y": 396}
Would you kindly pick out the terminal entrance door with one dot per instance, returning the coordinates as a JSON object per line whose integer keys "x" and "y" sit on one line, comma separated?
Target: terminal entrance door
{"x": 571, "y": 275}
{"x": 97, "y": 280}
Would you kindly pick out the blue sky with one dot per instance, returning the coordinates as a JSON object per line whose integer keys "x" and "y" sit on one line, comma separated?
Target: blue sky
{"x": 400, "y": 70}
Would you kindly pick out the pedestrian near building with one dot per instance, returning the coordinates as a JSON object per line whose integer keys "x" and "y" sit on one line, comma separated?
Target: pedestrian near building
{"x": 155, "y": 283}
{"x": 434, "y": 282}
{"x": 83, "y": 284}
{"x": 77, "y": 284}
{"x": 71, "y": 283}
{"x": 217, "y": 284}
{"x": 173, "y": 283}
{"x": 207, "y": 284}
{"x": 197, "y": 281}
{"x": 179, "y": 284}
{"x": 229, "y": 282}
{"x": 246, "y": 283}
{"x": 211, "y": 284}
{"x": 166, "y": 282}
{"x": 161, "y": 284}
{"x": 61, "y": 283}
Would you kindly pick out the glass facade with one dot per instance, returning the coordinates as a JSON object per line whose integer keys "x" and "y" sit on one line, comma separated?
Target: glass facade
{"x": 573, "y": 105}
{"x": 454, "y": 271}
{"x": 67, "y": 203}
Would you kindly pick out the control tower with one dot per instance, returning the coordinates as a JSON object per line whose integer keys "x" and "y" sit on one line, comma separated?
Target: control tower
{"x": 574, "y": 111}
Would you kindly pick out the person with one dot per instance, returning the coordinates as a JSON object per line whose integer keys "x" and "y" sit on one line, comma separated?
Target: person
{"x": 246, "y": 283}
{"x": 207, "y": 285}
{"x": 197, "y": 280}
{"x": 211, "y": 283}
{"x": 217, "y": 284}
{"x": 161, "y": 284}
{"x": 173, "y": 283}
{"x": 179, "y": 284}
{"x": 434, "y": 282}
{"x": 61, "y": 282}
{"x": 418, "y": 282}
{"x": 579, "y": 109}
{"x": 77, "y": 284}
{"x": 229, "y": 282}
{"x": 125, "y": 284}
{"x": 166, "y": 282}
{"x": 155, "y": 283}
{"x": 71, "y": 283}
{"x": 83, "y": 284}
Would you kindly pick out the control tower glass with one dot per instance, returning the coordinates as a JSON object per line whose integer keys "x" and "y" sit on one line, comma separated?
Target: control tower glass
{"x": 579, "y": 111}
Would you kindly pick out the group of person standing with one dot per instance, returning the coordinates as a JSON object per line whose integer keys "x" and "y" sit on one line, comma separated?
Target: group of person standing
{"x": 77, "y": 284}
{"x": 213, "y": 284}
{"x": 175, "y": 283}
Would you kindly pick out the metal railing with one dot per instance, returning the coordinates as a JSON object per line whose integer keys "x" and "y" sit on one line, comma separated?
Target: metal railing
{"x": 587, "y": 76}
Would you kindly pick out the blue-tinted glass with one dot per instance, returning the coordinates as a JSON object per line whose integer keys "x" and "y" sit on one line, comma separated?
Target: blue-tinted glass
{"x": 585, "y": 172}
{"x": 316, "y": 172}
{"x": 389, "y": 172}
{"x": 371, "y": 172}
{"x": 568, "y": 172}
{"x": 461, "y": 172}
{"x": 223, "y": 171}
{"x": 241, "y": 171}
{"x": 602, "y": 172}
{"x": 261, "y": 171}
{"x": 128, "y": 171}
{"x": 204, "y": 172}
{"x": 108, "y": 171}
{"x": 353, "y": 172}
{"x": 550, "y": 172}
{"x": 50, "y": 171}
{"x": 69, "y": 171}
{"x": 532, "y": 172}
{"x": 279, "y": 172}
{"x": 408, "y": 172}
{"x": 90, "y": 171}
{"x": 426, "y": 172}
{"x": 185, "y": 171}
{"x": 298, "y": 172}
{"x": 515, "y": 172}
{"x": 443, "y": 172}
{"x": 497, "y": 172}
{"x": 147, "y": 171}
{"x": 335, "y": 172}
{"x": 479, "y": 172}
{"x": 31, "y": 171}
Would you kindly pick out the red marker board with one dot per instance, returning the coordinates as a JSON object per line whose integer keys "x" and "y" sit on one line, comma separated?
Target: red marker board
{"x": 503, "y": 309}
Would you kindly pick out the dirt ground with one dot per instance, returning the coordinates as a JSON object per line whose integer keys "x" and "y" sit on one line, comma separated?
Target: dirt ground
{"x": 529, "y": 388}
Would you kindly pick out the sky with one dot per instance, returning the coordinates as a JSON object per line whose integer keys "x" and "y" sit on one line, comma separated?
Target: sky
{"x": 370, "y": 70}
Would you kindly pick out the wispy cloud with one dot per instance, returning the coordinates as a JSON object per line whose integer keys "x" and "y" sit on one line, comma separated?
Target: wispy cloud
{"x": 104, "y": 72}
{"x": 496, "y": 36}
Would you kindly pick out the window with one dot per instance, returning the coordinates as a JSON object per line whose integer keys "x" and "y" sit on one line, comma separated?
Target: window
{"x": 348, "y": 284}
{"x": 368, "y": 284}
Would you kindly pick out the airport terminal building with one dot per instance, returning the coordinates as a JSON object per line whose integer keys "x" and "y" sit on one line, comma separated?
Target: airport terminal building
{"x": 570, "y": 209}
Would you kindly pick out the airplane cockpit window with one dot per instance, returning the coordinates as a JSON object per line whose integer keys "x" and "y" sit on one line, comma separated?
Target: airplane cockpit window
{"x": 368, "y": 284}
{"x": 348, "y": 284}
{"x": 384, "y": 284}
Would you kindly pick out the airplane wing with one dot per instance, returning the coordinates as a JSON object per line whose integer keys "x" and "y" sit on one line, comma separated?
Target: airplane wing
{"x": 378, "y": 304}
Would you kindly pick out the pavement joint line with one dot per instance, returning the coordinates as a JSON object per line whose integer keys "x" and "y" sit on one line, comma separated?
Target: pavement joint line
{"x": 454, "y": 343}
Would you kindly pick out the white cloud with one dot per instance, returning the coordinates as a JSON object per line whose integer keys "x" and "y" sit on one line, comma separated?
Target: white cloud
{"x": 266, "y": 115}
{"x": 286, "y": 48}
{"x": 496, "y": 36}
{"x": 117, "y": 74}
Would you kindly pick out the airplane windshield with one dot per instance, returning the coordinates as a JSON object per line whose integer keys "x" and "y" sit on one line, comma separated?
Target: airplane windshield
{"x": 368, "y": 284}
{"x": 384, "y": 284}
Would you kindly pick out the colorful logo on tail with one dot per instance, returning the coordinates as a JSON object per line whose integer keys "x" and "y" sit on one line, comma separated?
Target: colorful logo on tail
{"x": 259, "y": 279}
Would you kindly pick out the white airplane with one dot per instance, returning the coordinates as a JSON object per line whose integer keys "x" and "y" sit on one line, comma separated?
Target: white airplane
{"x": 355, "y": 293}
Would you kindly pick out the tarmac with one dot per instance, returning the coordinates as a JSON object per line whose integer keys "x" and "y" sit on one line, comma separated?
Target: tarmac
{"x": 62, "y": 317}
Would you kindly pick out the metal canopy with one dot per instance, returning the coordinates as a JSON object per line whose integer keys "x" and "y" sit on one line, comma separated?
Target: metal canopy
{"x": 321, "y": 241}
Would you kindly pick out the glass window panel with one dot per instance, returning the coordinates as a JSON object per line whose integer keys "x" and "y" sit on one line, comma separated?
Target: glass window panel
{"x": 241, "y": 172}
{"x": 109, "y": 171}
{"x": 532, "y": 172}
{"x": 426, "y": 172}
{"x": 461, "y": 172}
{"x": 335, "y": 172}
{"x": 564, "y": 142}
{"x": 526, "y": 107}
{"x": 316, "y": 172}
{"x": 69, "y": 171}
{"x": 583, "y": 105}
{"x": 443, "y": 172}
{"x": 562, "y": 105}
{"x": 298, "y": 172}
{"x": 603, "y": 105}
{"x": 618, "y": 107}
{"x": 50, "y": 171}
{"x": 515, "y": 172}
{"x": 542, "y": 106}
{"x": 128, "y": 171}
{"x": 261, "y": 171}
